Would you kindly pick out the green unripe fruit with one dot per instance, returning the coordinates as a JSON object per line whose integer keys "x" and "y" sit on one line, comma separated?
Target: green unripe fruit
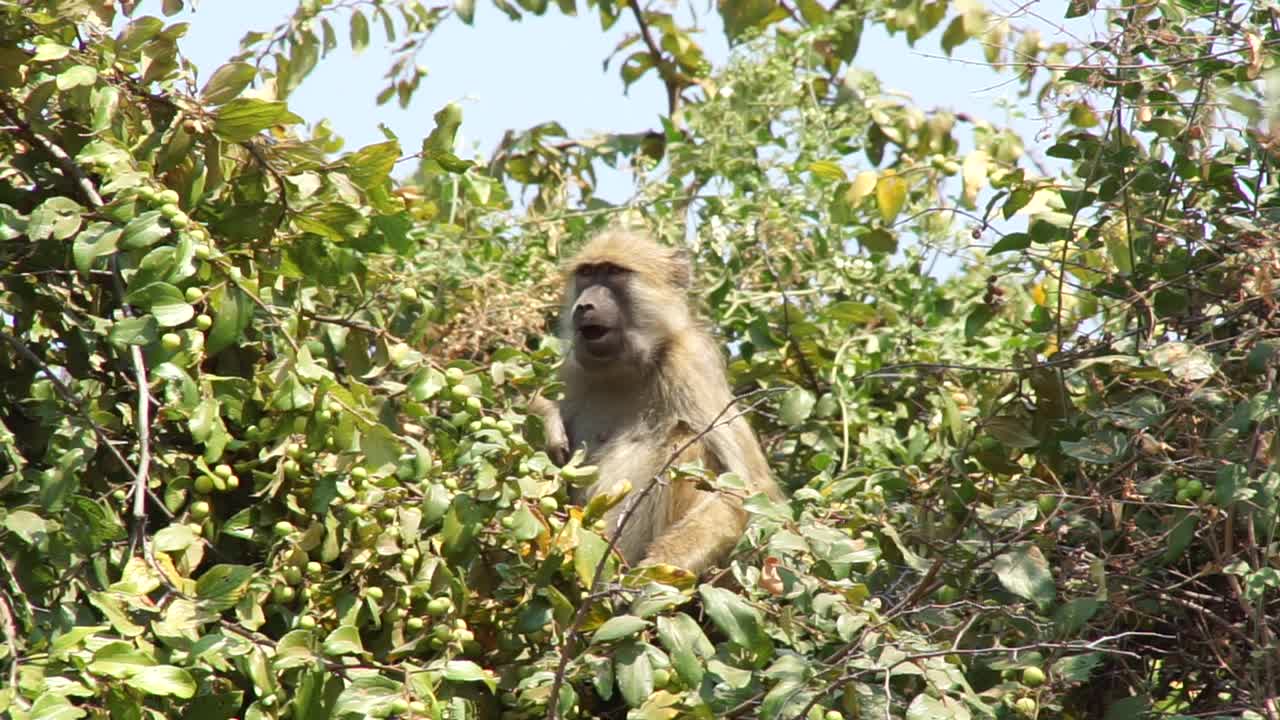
{"x": 283, "y": 594}
{"x": 474, "y": 403}
{"x": 170, "y": 210}
{"x": 180, "y": 220}
{"x": 1025, "y": 706}
{"x": 399, "y": 706}
{"x": 292, "y": 575}
{"x": 461, "y": 392}
{"x": 293, "y": 450}
{"x": 283, "y": 528}
{"x": 167, "y": 196}
{"x": 1194, "y": 488}
{"x": 1032, "y": 676}
{"x": 463, "y": 636}
{"x": 119, "y": 494}
{"x": 439, "y": 607}
{"x": 223, "y": 471}
{"x": 233, "y": 482}
{"x": 199, "y": 509}
{"x": 505, "y": 426}
{"x": 193, "y": 294}
{"x": 306, "y": 622}
{"x": 202, "y": 251}
{"x": 832, "y": 715}
{"x": 204, "y": 322}
{"x": 314, "y": 569}
{"x": 947, "y": 594}
{"x": 374, "y": 593}
{"x": 171, "y": 341}
{"x": 548, "y": 505}
{"x": 291, "y": 468}
{"x": 661, "y": 678}
{"x": 415, "y": 623}
{"x": 359, "y": 474}
{"x": 357, "y": 509}
{"x": 408, "y": 294}
{"x": 507, "y": 521}
{"x": 1047, "y": 504}
{"x": 417, "y": 707}
{"x": 203, "y": 485}
{"x": 455, "y": 375}
{"x": 387, "y": 514}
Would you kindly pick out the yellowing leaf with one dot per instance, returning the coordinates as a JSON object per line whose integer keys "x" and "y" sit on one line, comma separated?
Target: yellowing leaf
{"x": 974, "y": 173}
{"x": 1038, "y": 294}
{"x": 891, "y": 195}
{"x": 863, "y": 185}
{"x": 827, "y": 170}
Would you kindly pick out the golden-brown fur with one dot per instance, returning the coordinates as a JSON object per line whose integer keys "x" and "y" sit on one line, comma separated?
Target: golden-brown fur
{"x": 632, "y": 411}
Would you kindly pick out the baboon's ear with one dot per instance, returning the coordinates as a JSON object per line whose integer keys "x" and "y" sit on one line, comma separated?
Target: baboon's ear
{"x": 681, "y": 269}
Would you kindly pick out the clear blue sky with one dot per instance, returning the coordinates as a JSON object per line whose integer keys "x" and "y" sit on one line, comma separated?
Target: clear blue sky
{"x": 515, "y": 75}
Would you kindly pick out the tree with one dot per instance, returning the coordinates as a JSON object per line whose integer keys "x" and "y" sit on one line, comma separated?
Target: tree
{"x": 264, "y": 449}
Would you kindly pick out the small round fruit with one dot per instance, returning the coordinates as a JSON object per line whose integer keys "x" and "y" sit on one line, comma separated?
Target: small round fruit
{"x": 293, "y": 450}
{"x": 119, "y": 494}
{"x": 359, "y": 474}
{"x": 408, "y": 294}
{"x": 203, "y": 321}
{"x": 283, "y": 593}
{"x": 194, "y": 294}
{"x": 199, "y": 509}
{"x": 439, "y": 607}
{"x": 399, "y": 706}
{"x": 374, "y": 593}
{"x": 171, "y": 341}
{"x": 661, "y": 678}
{"x": 415, "y": 623}
{"x": 283, "y": 528}
{"x": 387, "y": 514}
{"x": 1047, "y": 503}
{"x": 507, "y": 521}
{"x": 357, "y": 509}
{"x": 946, "y": 594}
{"x": 180, "y": 221}
{"x": 548, "y": 505}
{"x": 170, "y": 210}
{"x": 832, "y": 715}
{"x": 233, "y": 482}
{"x": 306, "y": 622}
{"x": 461, "y": 392}
{"x": 223, "y": 471}
{"x": 1032, "y": 676}
{"x": 203, "y": 484}
{"x": 474, "y": 403}
{"x": 455, "y": 375}
{"x": 1025, "y": 706}
{"x": 202, "y": 251}
{"x": 1194, "y": 488}
{"x": 314, "y": 569}
{"x": 292, "y": 575}
{"x": 417, "y": 707}
{"x": 167, "y": 196}
{"x": 291, "y": 468}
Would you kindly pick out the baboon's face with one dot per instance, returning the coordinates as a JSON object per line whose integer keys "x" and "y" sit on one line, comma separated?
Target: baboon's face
{"x": 600, "y": 314}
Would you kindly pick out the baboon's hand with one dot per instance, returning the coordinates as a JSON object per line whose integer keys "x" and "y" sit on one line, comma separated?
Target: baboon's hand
{"x": 553, "y": 426}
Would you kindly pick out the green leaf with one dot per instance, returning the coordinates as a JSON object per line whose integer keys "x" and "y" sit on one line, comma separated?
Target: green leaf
{"x": 634, "y": 672}
{"x": 1102, "y": 447}
{"x": 687, "y": 645}
{"x": 586, "y": 556}
{"x": 468, "y": 671}
{"x": 163, "y": 680}
{"x": 93, "y": 242}
{"x": 295, "y": 649}
{"x": 743, "y": 15}
{"x": 242, "y": 118}
{"x": 879, "y": 240}
{"x": 1071, "y": 617}
{"x": 955, "y": 35}
{"x": 344, "y": 640}
{"x": 221, "y": 586}
{"x": 977, "y": 320}
{"x": 370, "y": 166}
{"x": 359, "y": 35}
{"x": 618, "y": 627}
{"x": 1025, "y": 573}
{"x": 1183, "y": 361}
{"x": 165, "y": 302}
{"x": 827, "y": 170}
{"x": 227, "y": 82}
{"x": 173, "y": 538}
{"x": 1076, "y": 669}
{"x": 75, "y": 76}
{"x": 926, "y": 707}
{"x": 797, "y": 405}
{"x": 26, "y": 525}
{"x": 53, "y": 706}
{"x": 736, "y": 618}
{"x": 367, "y": 696}
{"x": 144, "y": 230}
{"x": 1012, "y": 241}
{"x": 119, "y": 660}
{"x": 232, "y": 313}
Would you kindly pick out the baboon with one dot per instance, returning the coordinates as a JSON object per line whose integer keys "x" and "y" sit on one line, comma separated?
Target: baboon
{"x": 642, "y": 377}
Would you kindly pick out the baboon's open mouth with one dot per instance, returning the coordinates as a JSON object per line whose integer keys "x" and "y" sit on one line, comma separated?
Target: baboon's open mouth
{"x": 593, "y": 332}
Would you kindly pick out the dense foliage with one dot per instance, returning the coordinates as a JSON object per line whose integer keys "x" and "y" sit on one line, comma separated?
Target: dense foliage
{"x": 264, "y": 449}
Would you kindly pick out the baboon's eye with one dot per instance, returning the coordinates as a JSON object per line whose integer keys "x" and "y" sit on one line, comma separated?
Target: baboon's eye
{"x": 611, "y": 269}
